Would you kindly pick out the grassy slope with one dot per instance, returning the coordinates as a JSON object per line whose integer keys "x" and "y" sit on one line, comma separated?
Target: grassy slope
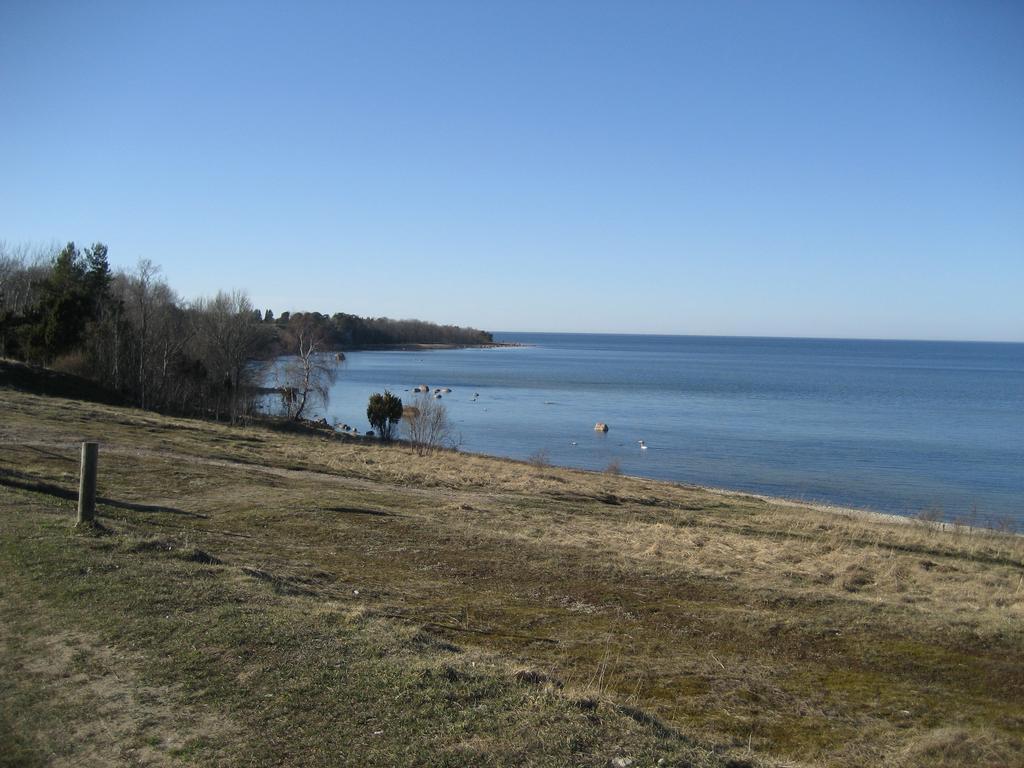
{"x": 45, "y": 381}
{"x": 262, "y": 599}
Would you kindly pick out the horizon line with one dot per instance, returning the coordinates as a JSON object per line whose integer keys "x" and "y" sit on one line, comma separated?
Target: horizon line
{"x": 766, "y": 337}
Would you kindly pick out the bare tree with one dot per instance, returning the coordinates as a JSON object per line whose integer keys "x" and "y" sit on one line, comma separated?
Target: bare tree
{"x": 427, "y": 426}
{"x": 171, "y": 334}
{"x": 307, "y": 376}
{"x": 24, "y": 270}
{"x": 139, "y": 332}
{"x": 226, "y": 338}
{"x": 140, "y": 304}
{"x": 108, "y": 345}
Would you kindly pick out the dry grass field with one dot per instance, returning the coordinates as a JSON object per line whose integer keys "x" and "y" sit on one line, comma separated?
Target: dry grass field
{"x": 262, "y": 598}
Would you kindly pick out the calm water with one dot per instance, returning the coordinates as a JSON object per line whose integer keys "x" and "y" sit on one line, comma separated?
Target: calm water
{"x": 894, "y": 426}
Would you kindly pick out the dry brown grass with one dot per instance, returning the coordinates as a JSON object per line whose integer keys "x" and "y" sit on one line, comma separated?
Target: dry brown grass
{"x": 786, "y": 631}
{"x": 958, "y": 747}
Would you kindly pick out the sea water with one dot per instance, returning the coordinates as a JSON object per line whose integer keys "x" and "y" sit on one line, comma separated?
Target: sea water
{"x": 897, "y": 426}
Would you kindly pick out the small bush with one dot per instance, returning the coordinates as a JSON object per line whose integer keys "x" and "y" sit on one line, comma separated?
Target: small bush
{"x": 427, "y": 425}
{"x": 930, "y": 515}
{"x": 539, "y": 459}
{"x": 383, "y": 412}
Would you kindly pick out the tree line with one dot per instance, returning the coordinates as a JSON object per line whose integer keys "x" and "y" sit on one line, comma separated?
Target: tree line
{"x": 344, "y": 331}
{"x": 129, "y": 331}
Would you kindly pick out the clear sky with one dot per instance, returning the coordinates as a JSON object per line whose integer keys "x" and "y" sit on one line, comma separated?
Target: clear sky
{"x": 756, "y": 168}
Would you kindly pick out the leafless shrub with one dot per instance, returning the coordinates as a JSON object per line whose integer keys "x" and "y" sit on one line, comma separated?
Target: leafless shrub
{"x": 930, "y": 515}
{"x": 613, "y": 468}
{"x": 427, "y": 426}
{"x": 539, "y": 459}
{"x": 1004, "y": 524}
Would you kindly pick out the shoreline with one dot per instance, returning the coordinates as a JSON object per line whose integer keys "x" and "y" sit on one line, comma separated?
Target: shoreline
{"x": 23, "y": 377}
{"x": 427, "y": 347}
{"x": 814, "y": 506}
{"x": 817, "y": 506}
{"x": 850, "y": 512}
{"x": 720, "y": 396}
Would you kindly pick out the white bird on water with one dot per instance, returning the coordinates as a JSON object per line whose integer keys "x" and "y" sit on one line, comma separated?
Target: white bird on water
{"x": 643, "y": 445}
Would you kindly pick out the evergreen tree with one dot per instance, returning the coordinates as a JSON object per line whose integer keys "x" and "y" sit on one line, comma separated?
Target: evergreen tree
{"x": 64, "y": 306}
{"x": 384, "y": 412}
{"x": 97, "y": 277}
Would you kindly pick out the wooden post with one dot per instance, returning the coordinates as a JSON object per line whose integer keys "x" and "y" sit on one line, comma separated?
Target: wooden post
{"x": 87, "y": 483}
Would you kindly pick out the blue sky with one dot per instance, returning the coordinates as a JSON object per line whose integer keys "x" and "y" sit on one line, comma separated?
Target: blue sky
{"x": 845, "y": 169}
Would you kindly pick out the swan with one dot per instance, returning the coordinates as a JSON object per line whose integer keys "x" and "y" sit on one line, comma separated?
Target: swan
{"x": 643, "y": 445}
